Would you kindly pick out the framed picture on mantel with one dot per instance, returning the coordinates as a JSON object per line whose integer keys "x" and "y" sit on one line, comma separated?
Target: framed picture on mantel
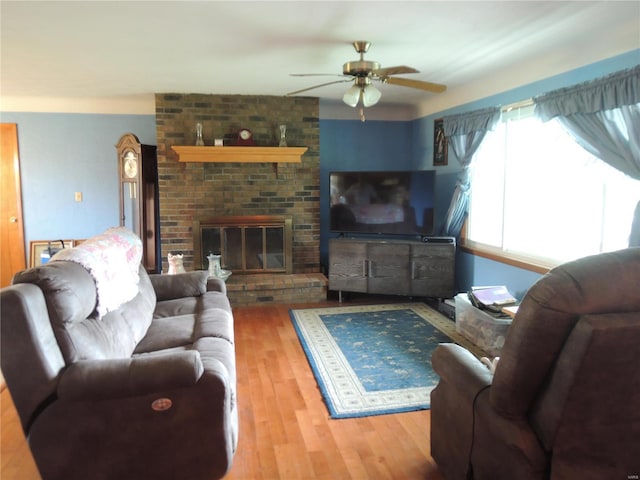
{"x": 440, "y": 147}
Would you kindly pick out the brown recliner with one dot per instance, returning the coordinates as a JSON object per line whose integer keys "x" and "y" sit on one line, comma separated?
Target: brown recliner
{"x": 564, "y": 402}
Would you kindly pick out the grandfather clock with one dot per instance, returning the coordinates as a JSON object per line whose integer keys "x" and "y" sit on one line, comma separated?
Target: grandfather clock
{"x": 138, "y": 174}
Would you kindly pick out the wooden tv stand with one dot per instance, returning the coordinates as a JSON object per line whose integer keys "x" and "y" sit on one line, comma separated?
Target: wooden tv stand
{"x": 393, "y": 267}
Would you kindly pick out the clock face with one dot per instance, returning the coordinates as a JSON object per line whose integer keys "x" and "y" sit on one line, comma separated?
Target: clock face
{"x": 130, "y": 165}
{"x": 245, "y": 137}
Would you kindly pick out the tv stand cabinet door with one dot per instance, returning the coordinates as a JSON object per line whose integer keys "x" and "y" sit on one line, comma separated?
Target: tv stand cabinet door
{"x": 348, "y": 266}
{"x": 388, "y": 268}
{"x": 433, "y": 270}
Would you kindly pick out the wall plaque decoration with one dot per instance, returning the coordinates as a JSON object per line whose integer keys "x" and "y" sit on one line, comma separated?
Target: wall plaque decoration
{"x": 440, "y": 146}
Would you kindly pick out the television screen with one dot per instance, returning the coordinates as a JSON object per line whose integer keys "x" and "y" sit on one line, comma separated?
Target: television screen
{"x": 399, "y": 203}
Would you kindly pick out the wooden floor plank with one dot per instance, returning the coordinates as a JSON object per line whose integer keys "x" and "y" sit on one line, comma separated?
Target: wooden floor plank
{"x": 17, "y": 462}
{"x": 285, "y": 429}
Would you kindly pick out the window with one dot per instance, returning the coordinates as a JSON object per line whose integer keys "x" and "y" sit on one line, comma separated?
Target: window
{"x": 539, "y": 197}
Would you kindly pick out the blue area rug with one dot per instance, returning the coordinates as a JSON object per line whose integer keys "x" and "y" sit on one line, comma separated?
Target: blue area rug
{"x": 374, "y": 359}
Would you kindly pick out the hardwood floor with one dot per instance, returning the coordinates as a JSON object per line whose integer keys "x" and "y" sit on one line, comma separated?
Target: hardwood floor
{"x": 285, "y": 429}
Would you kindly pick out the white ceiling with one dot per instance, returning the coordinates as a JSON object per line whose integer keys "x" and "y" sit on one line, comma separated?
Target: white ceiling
{"x": 125, "y": 48}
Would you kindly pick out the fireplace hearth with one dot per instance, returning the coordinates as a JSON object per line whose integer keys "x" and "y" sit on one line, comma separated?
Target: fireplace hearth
{"x": 258, "y": 250}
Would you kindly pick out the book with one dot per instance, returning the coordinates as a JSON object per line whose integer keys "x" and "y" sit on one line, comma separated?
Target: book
{"x": 492, "y": 298}
{"x": 510, "y": 310}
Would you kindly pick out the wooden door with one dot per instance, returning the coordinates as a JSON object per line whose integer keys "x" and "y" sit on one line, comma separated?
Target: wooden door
{"x": 12, "y": 251}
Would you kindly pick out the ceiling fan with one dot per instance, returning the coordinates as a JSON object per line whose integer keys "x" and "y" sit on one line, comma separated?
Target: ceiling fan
{"x": 363, "y": 72}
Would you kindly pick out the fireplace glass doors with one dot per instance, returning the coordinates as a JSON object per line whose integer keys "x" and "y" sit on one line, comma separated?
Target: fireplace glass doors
{"x": 247, "y": 244}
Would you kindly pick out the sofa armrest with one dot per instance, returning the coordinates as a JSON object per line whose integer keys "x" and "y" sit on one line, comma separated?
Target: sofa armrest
{"x": 456, "y": 365}
{"x": 180, "y": 285}
{"x": 215, "y": 284}
{"x": 126, "y": 377}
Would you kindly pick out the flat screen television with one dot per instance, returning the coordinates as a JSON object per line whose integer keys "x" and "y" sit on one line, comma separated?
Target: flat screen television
{"x": 378, "y": 202}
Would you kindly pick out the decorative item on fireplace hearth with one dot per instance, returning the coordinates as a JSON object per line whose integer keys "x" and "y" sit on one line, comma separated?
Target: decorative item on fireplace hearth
{"x": 175, "y": 263}
{"x": 283, "y": 138}
{"x": 215, "y": 269}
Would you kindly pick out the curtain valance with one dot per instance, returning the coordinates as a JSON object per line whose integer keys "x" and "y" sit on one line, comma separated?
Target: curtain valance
{"x": 613, "y": 91}
{"x": 465, "y": 123}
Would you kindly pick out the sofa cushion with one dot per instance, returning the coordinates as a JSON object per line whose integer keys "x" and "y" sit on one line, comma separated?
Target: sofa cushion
{"x": 188, "y": 284}
{"x": 168, "y": 332}
{"x": 180, "y": 322}
{"x": 70, "y": 294}
{"x": 68, "y": 288}
{"x": 188, "y": 305}
{"x": 113, "y": 260}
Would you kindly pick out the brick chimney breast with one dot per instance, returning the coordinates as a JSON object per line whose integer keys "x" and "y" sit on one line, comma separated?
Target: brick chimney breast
{"x": 191, "y": 191}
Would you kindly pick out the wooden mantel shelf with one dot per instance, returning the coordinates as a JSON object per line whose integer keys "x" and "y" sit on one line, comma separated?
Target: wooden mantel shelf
{"x": 239, "y": 154}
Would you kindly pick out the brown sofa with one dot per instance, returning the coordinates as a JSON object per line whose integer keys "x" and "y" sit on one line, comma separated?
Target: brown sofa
{"x": 564, "y": 402}
{"x": 145, "y": 391}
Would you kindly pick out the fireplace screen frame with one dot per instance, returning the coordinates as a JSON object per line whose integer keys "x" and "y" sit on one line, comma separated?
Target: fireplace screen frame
{"x": 254, "y": 234}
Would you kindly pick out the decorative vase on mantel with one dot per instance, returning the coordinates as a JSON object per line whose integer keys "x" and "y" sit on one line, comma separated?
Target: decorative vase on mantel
{"x": 283, "y": 136}
{"x": 199, "y": 139}
{"x": 215, "y": 269}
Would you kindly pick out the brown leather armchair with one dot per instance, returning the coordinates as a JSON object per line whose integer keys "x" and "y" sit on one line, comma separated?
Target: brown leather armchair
{"x": 564, "y": 402}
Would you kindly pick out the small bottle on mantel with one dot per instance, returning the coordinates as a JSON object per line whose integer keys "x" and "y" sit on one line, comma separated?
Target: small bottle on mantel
{"x": 199, "y": 140}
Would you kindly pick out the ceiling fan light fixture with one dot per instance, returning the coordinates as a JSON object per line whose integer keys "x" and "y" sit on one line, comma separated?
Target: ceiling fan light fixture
{"x": 370, "y": 95}
{"x": 362, "y": 89}
{"x": 352, "y": 96}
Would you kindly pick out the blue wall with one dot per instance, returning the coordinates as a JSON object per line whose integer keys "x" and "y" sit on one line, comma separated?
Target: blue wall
{"x": 64, "y": 153}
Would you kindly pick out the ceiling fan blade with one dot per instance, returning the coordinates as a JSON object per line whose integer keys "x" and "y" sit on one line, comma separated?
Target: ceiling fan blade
{"x": 315, "y": 75}
{"x": 317, "y": 86}
{"x": 385, "y": 72}
{"x": 406, "y": 82}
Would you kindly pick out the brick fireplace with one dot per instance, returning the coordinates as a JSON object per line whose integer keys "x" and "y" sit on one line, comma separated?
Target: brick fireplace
{"x": 190, "y": 192}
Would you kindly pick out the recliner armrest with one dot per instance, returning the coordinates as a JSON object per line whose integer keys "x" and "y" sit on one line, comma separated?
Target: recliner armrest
{"x": 457, "y": 366}
{"x": 141, "y": 375}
